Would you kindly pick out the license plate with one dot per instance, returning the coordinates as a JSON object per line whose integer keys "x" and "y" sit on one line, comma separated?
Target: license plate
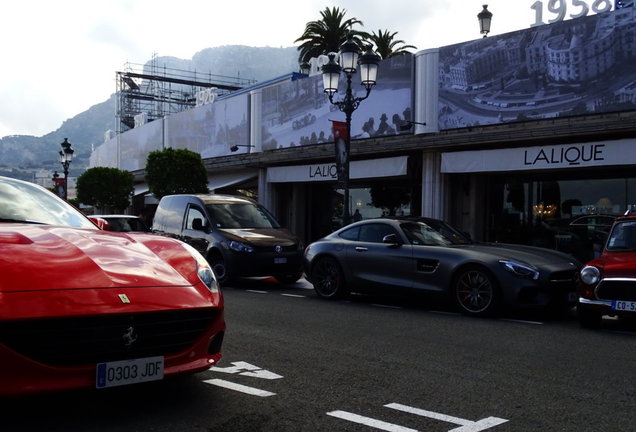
{"x": 280, "y": 260}
{"x": 621, "y": 305}
{"x": 118, "y": 373}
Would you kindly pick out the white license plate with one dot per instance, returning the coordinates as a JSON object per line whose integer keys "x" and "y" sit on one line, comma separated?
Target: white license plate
{"x": 621, "y": 305}
{"x": 118, "y": 373}
{"x": 280, "y": 260}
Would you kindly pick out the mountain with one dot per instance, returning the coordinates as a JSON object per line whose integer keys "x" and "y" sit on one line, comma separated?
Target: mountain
{"x": 23, "y": 155}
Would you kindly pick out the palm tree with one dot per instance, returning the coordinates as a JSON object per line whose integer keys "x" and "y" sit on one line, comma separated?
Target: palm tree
{"x": 327, "y": 34}
{"x": 387, "y": 46}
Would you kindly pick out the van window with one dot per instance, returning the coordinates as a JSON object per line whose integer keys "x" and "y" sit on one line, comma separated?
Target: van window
{"x": 195, "y": 213}
{"x": 169, "y": 215}
{"x": 240, "y": 215}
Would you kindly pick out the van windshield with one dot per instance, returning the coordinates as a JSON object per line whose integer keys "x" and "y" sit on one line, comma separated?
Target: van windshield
{"x": 240, "y": 215}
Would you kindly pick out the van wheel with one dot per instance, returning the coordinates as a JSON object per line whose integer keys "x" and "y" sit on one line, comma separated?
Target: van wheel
{"x": 220, "y": 270}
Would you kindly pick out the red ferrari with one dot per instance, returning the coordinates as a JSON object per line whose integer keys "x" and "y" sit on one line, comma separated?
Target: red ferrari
{"x": 81, "y": 307}
{"x": 607, "y": 284}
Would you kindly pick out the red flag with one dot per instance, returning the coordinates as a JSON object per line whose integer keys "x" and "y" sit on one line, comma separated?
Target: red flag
{"x": 339, "y": 130}
{"x": 342, "y": 152}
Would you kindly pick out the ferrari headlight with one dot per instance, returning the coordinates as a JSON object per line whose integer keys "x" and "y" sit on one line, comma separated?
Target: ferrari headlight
{"x": 240, "y": 247}
{"x": 521, "y": 270}
{"x": 203, "y": 269}
{"x": 590, "y": 275}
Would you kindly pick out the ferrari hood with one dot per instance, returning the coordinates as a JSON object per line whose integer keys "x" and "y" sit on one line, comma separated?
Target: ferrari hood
{"x": 43, "y": 257}
{"x": 527, "y": 254}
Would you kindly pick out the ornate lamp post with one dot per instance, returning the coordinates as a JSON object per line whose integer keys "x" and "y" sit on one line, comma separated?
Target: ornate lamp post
{"x": 305, "y": 68}
{"x": 66, "y": 156}
{"x": 485, "y": 18}
{"x": 349, "y": 60}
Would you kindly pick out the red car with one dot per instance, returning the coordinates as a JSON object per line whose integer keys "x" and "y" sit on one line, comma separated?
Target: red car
{"x": 607, "y": 284}
{"x": 81, "y": 307}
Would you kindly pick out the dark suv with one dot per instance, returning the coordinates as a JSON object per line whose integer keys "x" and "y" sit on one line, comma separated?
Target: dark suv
{"x": 238, "y": 236}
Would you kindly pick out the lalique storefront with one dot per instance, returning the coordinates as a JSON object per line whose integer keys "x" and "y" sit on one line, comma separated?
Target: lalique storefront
{"x": 563, "y": 197}
{"x": 471, "y": 157}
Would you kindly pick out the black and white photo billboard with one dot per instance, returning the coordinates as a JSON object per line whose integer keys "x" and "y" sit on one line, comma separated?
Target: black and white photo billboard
{"x": 299, "y": 113}
{"x": 581, "y": 66}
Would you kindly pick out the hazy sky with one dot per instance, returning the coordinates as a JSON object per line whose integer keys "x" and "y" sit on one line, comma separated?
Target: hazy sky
{"x": 59, "y": 58}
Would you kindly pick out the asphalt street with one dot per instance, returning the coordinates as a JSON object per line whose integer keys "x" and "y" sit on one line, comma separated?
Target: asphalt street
{"x": 294, "y": 362}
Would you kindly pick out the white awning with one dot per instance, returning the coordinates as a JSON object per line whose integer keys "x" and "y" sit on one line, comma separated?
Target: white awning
{"x": 140, "y": 188}
{"x": 228, "y": 179}
{"x": 371, "y": 168}
{"x": 214, "y": 182}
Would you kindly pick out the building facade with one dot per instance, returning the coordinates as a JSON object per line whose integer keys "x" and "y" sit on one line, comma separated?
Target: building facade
{"x": 512, "y": 138}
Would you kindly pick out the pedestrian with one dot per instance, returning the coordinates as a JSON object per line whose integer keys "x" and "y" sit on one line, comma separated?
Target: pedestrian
{"x": 357, "y": 216}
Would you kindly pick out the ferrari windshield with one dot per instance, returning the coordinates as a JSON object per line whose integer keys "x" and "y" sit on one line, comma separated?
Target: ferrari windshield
{"x": 433, "y": 233}
{"x": 29, "y": 203}
{"x": 623, "y": 236}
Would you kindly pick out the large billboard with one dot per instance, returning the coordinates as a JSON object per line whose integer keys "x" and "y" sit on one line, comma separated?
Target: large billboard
{"x": 581, "y": 66}
{"x": 298, "y": 112}
{"x": 210, "y": 130}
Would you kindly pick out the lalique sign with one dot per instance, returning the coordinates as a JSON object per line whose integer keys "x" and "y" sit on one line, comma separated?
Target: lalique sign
{"x": 601, "y": 153}
{"x": 572, "y": 155}
{"x": 373, "y": 168}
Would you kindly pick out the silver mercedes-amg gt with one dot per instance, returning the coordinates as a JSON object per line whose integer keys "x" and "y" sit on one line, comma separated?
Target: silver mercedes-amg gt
{"x": 428, "y": 255}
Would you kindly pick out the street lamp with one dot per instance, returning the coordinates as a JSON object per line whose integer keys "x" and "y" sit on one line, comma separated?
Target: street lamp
{"x": 484, "y": 17}
{"x": 235, "y": 147}
{"x": 305, "y": 68}
{"x": 350, "y": 58}
{"x": 408, "y": 124}
{"x": 66, "y": 156}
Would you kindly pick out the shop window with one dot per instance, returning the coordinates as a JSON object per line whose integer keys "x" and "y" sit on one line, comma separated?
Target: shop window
{"x": 380, "y": 200}
{"x": 572, "y": 216}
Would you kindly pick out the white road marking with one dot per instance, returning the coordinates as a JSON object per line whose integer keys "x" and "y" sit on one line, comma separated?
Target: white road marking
{"x": 257, "y": 291}
{"x": 294, "y": 295}
{"x": 367, "y": 421}
{"x": 238, "y": 366}
{"x": 465, "y": 425}
{"x": 430, "y": 414}
{"x": 239, "y": 388}
{"x": 480, "y": 425}
{"x": 252, "y": 371}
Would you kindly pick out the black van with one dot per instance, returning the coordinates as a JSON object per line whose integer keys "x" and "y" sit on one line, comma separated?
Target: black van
{"x": 238, "y": 236}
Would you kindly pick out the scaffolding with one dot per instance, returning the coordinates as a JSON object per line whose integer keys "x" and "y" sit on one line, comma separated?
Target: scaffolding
{"x": 150, "y": 92}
